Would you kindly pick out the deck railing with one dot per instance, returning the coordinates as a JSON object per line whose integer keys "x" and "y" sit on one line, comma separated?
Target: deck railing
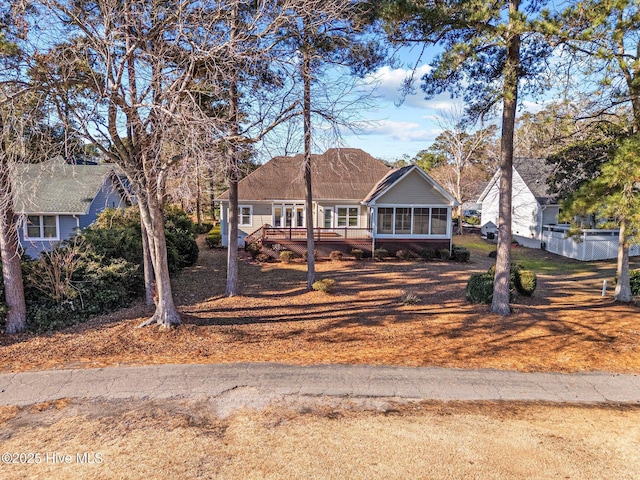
{"x": 319, "y": 234}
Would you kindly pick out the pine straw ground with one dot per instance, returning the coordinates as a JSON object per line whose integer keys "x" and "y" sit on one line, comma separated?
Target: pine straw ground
{"x": 566, "y": 326}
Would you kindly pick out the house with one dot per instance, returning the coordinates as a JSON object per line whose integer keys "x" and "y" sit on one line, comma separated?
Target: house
{"x": 532, "y": 204}
{"x": 535, "y": 217}
{"x": 55, "y": 199}
{"x": 358, "y": 202}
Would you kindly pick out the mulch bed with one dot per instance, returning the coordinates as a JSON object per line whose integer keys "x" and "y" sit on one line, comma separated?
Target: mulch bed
{"x": 566, "y": 326}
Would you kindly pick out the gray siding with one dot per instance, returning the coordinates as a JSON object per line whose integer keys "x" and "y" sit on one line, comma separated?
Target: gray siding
{"x": 412, "y": 190}
{"x": 68, "y": 226}
{"x": 107, "y": 197}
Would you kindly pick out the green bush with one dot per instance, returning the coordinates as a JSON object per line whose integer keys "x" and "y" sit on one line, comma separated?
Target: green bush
{"x": 254, "y": 250}
{"x": 428, "y": 254}
{"x": 182, "y": 249}
{"x": 634, "y": 279}
{"x": 325, "y": 285}
{"x": 204, "y": 227}
{"x": 514, "y": 272}
{"x": 472, "y": 220}
{"x": 405, "y": 255}
{"x": 335, "y": 255}
{"x": 286, "y": 256}
{"x": 214, "y": 237}
{"x": 72, "y": 283}
{"x": 263, "y": 258}
{"x": 175, "y": 218}
{"x": 305, "y": 254}
{"x": 444, "y": 254}
{"x": 380, "y": 254}
{"x": 526, "y": 282}
{"x": 460, "y": 254}
{"x": 116, "y": 234}
{"x": 100, "y": 270}
{"x": 480, "y": 288}
{"x": 357, "y": 253}
{"x": 520, "y": 280}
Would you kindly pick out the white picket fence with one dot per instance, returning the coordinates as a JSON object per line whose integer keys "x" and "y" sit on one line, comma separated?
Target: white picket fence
{"x": 592, "y": 244}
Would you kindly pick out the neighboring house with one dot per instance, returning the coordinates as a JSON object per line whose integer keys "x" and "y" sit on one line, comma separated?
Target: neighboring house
{"x": 358, "y": 202}
{"x": 53, "y": 200}
{"x": 532, "y": 204}
{"x": 535, "y": 217}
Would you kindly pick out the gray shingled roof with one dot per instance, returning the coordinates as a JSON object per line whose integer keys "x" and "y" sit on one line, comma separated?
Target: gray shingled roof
{"x": 57, "y": 187}
{"x": 337, "y": 174}
{"x": 391, "y": 178}
{"x": 535, "y": 172}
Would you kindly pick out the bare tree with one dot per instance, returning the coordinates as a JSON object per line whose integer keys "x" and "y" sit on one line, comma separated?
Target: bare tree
{"x": 16, "y": 118}
{"x": 463, "y": 151}
{"x": 139, "y": 70}
{"x": 326, "y": 32}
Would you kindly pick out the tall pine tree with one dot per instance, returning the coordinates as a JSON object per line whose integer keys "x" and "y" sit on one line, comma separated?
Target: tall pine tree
{"x": 487, "y": 50}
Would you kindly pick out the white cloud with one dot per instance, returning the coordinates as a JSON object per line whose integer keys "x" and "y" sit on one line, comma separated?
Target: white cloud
{"x": 388, "y": 84}
{"x": 534, "y": 107}
{"x": 400, "y": 131}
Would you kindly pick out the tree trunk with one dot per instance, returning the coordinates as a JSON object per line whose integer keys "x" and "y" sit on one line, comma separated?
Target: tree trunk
{"x": 306, "y": 79}
{"x": 501, "y": 284}
{"x": 198, "y": 205}
{"x": 622, "y": 292}
{"x": 11, "y": 270}
{"x": 149, "y": 282}
{"x": 212, "y": 195}
{"x": 166, "y": 313}
{"x": 233, "y": 173}
{"x": 232, "y": 243}
{"x": 459, "y": 197}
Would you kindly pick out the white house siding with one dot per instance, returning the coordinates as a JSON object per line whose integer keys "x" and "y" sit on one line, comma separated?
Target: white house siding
{"x": 490, "y": 208}
{"x": 412, "y": 190}
{"x": 550, "y": 214}
{"x": 527, "y": 214}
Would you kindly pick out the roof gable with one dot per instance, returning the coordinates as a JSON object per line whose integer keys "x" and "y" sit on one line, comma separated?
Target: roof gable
{"x": 54, "y": 186}
{"x": 534, "y": 172}
{"x": 396, "y": 177}
{"x": 337, "y": 174}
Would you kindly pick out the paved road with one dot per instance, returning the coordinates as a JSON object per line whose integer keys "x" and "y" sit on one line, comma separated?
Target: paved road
{"x": 362, "y": 381}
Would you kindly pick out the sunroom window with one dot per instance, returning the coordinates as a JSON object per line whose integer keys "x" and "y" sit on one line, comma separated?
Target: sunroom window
{"x": 438, "y": 221}
{"x": 385, "y": 220}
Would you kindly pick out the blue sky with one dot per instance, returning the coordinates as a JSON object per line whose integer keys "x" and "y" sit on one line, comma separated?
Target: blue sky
{"x": 391, "y": 131}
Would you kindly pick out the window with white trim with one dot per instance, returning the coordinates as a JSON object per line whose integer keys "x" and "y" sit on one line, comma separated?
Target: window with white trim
{"x": 41, "y": 227}
{"x": 244, "y": 215}
{"x": 347, "y": 216}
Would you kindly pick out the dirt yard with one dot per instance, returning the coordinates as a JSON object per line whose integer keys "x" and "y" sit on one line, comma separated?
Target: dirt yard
{"x": 566, "y": 326}
{"x": 320, "y": 439}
